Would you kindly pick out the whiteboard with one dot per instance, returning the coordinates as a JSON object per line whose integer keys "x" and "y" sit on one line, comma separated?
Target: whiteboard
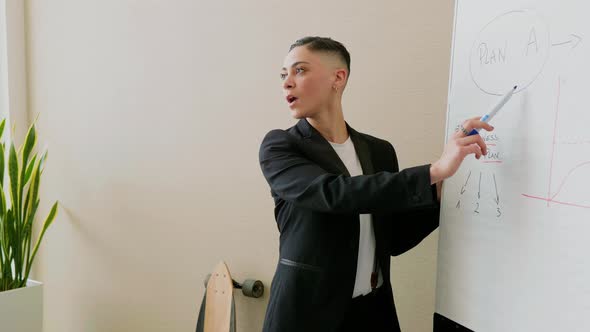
{"x": 514, "y": 245}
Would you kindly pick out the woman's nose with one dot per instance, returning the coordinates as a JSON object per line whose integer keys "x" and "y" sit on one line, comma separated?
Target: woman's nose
{"x": 288, "y": 83}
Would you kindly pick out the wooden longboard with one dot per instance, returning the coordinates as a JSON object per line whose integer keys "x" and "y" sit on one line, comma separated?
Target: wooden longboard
{"x": 217, "y": 312}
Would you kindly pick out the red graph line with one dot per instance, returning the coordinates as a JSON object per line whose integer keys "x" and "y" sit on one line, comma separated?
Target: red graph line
{"x": 551, "y": 198}
{"x": 557, "y": 202}
{"x": 568, "y": 174}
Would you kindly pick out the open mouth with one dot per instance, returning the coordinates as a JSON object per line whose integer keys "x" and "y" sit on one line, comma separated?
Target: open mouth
{"x": 291, "y": 99}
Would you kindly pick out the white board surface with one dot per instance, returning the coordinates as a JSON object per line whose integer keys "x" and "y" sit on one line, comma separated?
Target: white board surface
{"x": 514, "y": 246}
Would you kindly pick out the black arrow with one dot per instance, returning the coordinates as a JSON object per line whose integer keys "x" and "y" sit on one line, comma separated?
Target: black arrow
{"x": 574, "y": 40}
{"x": 479, "y": 189}
{"x": 496, "y": 186}
{"x": 463, "y": 188}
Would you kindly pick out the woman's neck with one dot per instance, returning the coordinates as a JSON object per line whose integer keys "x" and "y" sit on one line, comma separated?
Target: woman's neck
{"x": 331, "y": 124}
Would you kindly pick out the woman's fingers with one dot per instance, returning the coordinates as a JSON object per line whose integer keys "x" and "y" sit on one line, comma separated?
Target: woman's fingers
{"x": 472, "y": 149}
{"x": 460, "y": 145}
{"x": 473, "y": 123}
{"x": 473, "y": 139}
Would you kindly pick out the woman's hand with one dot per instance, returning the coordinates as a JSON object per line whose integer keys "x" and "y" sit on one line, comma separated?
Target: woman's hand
{"x": 457, "y": 148}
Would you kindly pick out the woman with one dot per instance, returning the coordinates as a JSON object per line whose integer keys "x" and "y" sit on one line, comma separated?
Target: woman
{"x": 341, "y": 204}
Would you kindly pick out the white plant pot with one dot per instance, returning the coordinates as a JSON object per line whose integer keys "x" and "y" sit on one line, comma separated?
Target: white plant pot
{"x": 21, "y": 309}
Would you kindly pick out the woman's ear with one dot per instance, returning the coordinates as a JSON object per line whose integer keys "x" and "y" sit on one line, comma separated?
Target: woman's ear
{"x": 341, "y": 76}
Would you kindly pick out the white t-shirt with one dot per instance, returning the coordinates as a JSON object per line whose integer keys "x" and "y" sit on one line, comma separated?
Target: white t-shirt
{"x": 366, "y": 254}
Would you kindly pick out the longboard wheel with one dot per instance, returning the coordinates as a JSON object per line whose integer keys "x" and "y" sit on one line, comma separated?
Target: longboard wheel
{"x": 253, "y": 288}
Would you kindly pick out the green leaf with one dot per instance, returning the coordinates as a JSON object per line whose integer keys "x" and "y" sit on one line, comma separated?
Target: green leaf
{"x": 2, "y": 165}
{"x": 29, "y": 144}
{"x": 19, "y": 192}
{"x": 2, "y": 124}
{"x": 35, "y": 181}
{"x": 3, "y": 206}
{"x": 42, "y": 161}
{"x": 13, "y": 175}
{"x": 31, "y": 198}
{"x": 46, "y": 224}
{"x": 30, "y": 170}
{"x": 25, "y": 152}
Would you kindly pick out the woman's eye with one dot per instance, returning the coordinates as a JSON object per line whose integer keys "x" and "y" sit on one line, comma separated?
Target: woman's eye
{"x": 297, "y": 71}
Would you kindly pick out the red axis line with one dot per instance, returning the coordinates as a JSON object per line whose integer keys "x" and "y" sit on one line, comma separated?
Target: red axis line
{"x": 557, "y": 202}
{"x": 549, "y": 197}
{"x": 554, "y": 135}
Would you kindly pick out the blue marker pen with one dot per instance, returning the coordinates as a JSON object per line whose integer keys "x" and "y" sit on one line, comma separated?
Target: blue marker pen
{"x": 486, "y": 118}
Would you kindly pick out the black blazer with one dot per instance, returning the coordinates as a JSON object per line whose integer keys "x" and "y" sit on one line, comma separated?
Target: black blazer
{"x": 317, "y": 207}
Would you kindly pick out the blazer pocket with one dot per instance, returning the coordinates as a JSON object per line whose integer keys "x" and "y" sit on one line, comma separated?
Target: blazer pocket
{"x": 303, "y": 266}
{"x": 296, "y": 305}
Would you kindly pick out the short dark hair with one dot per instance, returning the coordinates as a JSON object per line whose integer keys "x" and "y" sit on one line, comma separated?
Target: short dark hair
{"x": 324, "y": 44}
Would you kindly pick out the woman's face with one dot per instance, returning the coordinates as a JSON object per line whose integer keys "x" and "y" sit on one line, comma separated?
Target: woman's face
{"x": 307, "y": 82}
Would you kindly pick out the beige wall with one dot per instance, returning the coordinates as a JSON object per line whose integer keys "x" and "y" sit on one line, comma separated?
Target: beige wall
{"x": 153, "y": 112}
{"x": 13, "y": 66}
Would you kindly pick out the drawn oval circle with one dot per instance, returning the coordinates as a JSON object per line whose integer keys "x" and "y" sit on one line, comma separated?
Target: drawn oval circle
{"x": 512, "y": 49}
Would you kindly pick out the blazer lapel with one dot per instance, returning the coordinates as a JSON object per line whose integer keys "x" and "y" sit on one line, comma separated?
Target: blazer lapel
{"x": 362, "y": 151}
{"x": 364, "y": 154}
{"x": 321, "y": 151}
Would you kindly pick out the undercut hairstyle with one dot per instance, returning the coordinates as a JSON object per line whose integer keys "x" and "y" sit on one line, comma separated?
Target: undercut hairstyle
{"x": 325, "y": 45}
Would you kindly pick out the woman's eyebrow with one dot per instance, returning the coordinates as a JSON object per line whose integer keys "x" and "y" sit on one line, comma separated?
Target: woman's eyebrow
{"x": 295, "y": 64}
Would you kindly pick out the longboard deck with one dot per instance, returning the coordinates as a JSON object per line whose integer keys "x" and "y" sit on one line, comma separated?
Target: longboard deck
{"x": 217, "y": 313}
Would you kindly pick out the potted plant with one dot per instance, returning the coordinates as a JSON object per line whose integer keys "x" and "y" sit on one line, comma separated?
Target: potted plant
{"x": 20, "y": 298}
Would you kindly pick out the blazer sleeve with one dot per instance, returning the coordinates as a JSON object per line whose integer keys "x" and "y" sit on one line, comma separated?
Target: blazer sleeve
{"x": 296, "y": 179}
{"x": 411, "y": 226}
